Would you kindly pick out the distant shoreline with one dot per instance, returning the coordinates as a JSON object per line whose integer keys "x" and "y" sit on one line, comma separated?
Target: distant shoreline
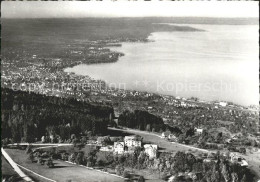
{"x": 177, "y": 20}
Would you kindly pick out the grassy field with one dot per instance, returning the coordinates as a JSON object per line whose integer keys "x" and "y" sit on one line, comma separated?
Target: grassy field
{"x": 62, "y": 171}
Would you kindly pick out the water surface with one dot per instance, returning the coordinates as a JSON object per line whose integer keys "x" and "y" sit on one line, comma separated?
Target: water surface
{"x": 220, "y": 63}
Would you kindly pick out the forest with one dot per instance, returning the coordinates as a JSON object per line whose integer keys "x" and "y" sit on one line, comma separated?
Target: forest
{"x": 29, "y": 116}
{"x": 143, "y": 120}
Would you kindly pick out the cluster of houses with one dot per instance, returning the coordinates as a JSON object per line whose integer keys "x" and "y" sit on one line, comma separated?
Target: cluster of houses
{"x": 234, "y": 158}
{"x": 168, "y": 135}
{"x": 128, "y": 146}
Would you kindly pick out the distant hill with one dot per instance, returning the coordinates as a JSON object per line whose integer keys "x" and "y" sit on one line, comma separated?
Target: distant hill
{"x": 53, "y": 35}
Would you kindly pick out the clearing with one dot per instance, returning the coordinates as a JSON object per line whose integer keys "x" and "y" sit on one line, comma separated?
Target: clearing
{"x": 62, "y": 171}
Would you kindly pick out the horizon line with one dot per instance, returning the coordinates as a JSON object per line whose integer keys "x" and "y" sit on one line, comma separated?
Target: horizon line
{"x": 103, "y": 17}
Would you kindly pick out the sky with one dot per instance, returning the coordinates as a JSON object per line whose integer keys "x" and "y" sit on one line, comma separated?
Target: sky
{"x": 109, "y": 8}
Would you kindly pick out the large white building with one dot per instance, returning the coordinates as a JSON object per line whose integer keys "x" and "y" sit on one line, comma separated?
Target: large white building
{"x": 119, "y": 147}
{"x": 151, "y": 150}
{"x": 132, "y": 141}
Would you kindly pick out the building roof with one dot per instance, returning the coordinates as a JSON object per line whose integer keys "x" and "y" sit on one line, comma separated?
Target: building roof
{"x": 166, "y": 133}
{"x": 150, "y": 146}
{"x": 133, "y": 137}
{"x": 119, "y": 144}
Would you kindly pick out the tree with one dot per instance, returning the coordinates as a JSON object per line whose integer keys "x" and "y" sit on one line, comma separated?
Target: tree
{"x": 126, "y": 174}
{"x": 242, "y": 150}
{"x": 148, "y": 127}
{"x": 190, "y": 160}
{"x": 119, "y": 169}
{"x": 141, "y": 160}
{"x": 234, "y": 177}
{"x": 197, "y": 167}
{"x": 84, "y": 140}
{"x": 141, "y": 179}
{"x": 179, "y": 162}
{"x": 137, "y": 151}
{"x": 190, "y": 132}
{"x": 100, "y": 162}
{"x": 31, "y": 157}
{"x": 72, "y": 157}
{"x": 40, "y": 161}
{"x": 181, "y": 138}
{"x": 80, "y": 158}
{"x": 28, "y": 149}
{"x": 215, "y": 176}
{"x": 49, "y": 163}
{"x": 225, "y": 173}
{"x": 244, "y": 179}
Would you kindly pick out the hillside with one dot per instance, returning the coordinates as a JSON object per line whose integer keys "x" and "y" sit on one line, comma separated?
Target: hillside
{"x": 27, "y": 116}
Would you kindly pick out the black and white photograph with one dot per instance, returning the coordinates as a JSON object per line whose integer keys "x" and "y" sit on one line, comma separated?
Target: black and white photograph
{"x": 130, "y": 91}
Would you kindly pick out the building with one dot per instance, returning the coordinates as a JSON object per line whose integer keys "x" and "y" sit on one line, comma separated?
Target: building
{"x": 119, "y": 147}
{"x": 198, "y": 131}
{"x": 166, "y": 134}
{"x": 173, "y": 138}
{"x": 108, "y": 148}
{"x": 151, "y": 150}
{"x": 132, "y": 141}
{"x": 223, "y": 104}
{"x": 237, "y": 159}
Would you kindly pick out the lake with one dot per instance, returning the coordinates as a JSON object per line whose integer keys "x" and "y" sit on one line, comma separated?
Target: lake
{"x": 220, "y": 63}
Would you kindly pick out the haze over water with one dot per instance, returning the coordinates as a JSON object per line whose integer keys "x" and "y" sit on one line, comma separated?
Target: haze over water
{"x": 220, "y": 63}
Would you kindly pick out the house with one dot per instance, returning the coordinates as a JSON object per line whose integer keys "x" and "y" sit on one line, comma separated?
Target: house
{"x": 119, "y": 147}
{"x": 172, "y": 137}
{"x": 242, "y": 162}
{"x": 237, "y": 159}
{"x": 207, "y": 160}
{"x": 223, "y": 104}
{"x": 198, "y": 131}
{"x": 108, "y": 148}
{"x": 183, "y": 104}
{"x": 132, "y": 141}
{"x": 166, "y": 134}
{"x": 228, "y": 140}
{"x": 151, "y": 150}
{"x": 234, "y": 137}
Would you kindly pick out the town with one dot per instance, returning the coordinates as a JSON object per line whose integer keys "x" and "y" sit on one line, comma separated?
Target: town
{"x": 62, "y": 126}
{"x": 38, "y": 76}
